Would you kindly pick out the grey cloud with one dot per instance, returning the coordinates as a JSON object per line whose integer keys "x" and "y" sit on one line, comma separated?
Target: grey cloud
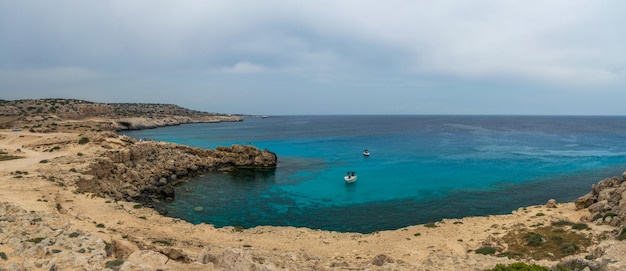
{"x": 339, "y": 45}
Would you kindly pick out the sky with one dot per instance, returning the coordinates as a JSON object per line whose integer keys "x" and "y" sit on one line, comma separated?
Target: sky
{"x": 270, "y": 57}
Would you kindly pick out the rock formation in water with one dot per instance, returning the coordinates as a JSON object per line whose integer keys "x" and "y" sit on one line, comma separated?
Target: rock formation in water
{"x": 132, "y": 170}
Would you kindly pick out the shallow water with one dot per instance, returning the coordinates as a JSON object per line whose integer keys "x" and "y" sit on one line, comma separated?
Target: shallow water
{"x": 421, "y": 168}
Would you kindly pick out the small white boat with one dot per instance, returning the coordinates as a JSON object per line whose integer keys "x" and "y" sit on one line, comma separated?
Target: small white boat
{"x": 366, "y": 153}
{"x": 350, "y": 177}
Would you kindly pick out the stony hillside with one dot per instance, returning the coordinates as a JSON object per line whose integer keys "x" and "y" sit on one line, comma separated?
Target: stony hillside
{"x": 52, "y": 115}
{"x": 71, "y": 108}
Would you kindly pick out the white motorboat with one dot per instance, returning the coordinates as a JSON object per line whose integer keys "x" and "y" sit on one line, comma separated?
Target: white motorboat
{"x": 366, "y": 153}
{"x": 350, "y": 177}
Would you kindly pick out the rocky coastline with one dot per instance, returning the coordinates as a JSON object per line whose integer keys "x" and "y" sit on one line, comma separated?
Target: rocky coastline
{"x": 75, "y": 193}
{"x": 146, "y": 171}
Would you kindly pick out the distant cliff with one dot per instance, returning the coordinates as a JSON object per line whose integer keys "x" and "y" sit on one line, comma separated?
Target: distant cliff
{"x": 50, "y": 115}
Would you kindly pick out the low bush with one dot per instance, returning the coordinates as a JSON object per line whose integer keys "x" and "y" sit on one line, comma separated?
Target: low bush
{"x": 533, "y": 239}
{"x": 486, "y": 251}
{"x": 562, "y": 223}
{"x": 550, "y": 242}
{"x": 114, "y": 263}
{"x": 83, "y": 140}
{"x": 580, "y": 226}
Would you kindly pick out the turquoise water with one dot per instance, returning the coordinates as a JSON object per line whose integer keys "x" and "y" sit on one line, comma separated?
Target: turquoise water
{"x": 421, "y": 168}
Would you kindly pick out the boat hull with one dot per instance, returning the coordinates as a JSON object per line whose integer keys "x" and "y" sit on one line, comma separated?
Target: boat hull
{"x": 350, "y": 179}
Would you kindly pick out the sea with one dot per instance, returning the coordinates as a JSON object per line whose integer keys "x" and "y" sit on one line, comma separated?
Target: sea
{"x": 421, "y": 168}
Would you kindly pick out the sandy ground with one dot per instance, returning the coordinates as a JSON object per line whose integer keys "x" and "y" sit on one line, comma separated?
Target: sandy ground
{"x": 412, "y": 245}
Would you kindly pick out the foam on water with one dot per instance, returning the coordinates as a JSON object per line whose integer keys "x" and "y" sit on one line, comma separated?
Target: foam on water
{"x": 421, "y": 168}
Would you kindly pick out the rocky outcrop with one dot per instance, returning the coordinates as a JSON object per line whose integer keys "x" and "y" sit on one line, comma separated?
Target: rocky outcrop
{"x": 606, "y": 202}
{"x": 46, "y": 241}
{"x": 148, "y": 170}
{"x": 139, "y": 123}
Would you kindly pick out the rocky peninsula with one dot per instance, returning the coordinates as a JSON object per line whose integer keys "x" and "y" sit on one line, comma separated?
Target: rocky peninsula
{"x": 76, "y": 195}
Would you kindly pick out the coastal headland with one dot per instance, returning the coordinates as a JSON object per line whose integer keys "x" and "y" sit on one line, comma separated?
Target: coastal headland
{"x": 76, "y": 195}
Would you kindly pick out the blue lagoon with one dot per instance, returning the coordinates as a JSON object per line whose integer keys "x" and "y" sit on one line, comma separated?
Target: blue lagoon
{"x": 420, "y": 169}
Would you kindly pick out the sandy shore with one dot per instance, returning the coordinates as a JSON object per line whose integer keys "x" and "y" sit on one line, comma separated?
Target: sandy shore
{"x": 143, "y": 239}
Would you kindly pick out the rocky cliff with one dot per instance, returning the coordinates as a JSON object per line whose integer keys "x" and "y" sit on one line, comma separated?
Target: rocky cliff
{"x": 127, "y": 169}
{"x": 607, "y": 203}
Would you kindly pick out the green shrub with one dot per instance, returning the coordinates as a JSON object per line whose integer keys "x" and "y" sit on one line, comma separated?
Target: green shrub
{"x": 580, "y": 226}
{"x": 430, "y": 225}
{"x": 3, "y": 256}
{"x": 562, "y": 223}
{"x": 35, "y": 240}
{"x": 43, "y": 161}
{"x": 74, "y": 234}
{"x": 540, "y": 214}
{"x": 83, "y": 140}
{"x": 596, "y": 217}
{"x": 609, "y": 214}
{"x": 113, "y": 263}
{"x": 533, "y": 239}
{"x": 486, "y": 251}
{"x": 569, "y": 249}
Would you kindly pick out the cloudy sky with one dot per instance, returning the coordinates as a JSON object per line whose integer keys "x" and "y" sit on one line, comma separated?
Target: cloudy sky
{"x": 321, "y": 57}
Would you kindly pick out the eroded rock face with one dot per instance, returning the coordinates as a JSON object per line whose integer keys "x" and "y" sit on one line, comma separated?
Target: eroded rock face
{"x": 606, "y": 202}
{"x": 148, "y": 170}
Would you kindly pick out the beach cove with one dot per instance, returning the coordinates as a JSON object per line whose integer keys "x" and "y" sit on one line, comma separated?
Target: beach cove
{"x": 421, "y": 168}
{"x": 46, "y": 221}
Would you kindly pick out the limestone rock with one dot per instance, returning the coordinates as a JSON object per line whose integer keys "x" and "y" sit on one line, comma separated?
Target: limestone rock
{"x": 122, "y": 248}
{"x": 381, "y": 259}
{"x": 606, "y": 202}
{"x": 48, "y": 238}
{"x": 205, "y": 257}
{"x": 149, "y": 170}
{"x": 145, "y": 260}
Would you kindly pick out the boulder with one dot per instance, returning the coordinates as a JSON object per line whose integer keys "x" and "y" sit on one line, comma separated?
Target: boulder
{"x": 606, "y": 202}
{"x": 551, "y": 203}
{"x": 381, "y": 259}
